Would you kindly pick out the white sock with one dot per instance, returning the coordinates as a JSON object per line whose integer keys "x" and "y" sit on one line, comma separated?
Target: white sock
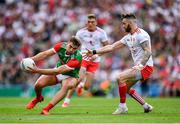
{"x": 123, "y": 105}
{"x": 81, "y": 84}
{"x": 67, "y": 100}
{"x": 145, "y": 106}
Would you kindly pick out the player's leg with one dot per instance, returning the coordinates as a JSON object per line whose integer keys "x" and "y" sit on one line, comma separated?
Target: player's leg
{"x": 142, "y": 75}
{"x": 67, "y": 84}
{"x": 88, "y": 82}
{"x": 68, "y": 98}
{"x": 147, "y": 107}
{"x": 130, "y": 76}
{"x": 125, "y": 76}
{"x": 82, "y": 75}
{"x": 43, "y": 81}
{"x": 91, "y": 69}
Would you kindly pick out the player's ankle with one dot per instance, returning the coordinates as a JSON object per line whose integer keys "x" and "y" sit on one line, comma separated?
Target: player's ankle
{"x": 39, "y": 97}
{"x": 48, "y": 107}
{"x": 81, "y": 85}
{"x": 67, "y": 100}
{"x": 122, "y": 105}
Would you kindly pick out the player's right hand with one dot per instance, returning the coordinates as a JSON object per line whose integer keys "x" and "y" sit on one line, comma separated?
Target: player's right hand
{"x": 88, "y": 54}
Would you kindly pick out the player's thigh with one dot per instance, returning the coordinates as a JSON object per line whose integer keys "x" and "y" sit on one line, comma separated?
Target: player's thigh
{"x": 46, "y": 80}
{"x": 129, "y": 75}
{"x": 70, "y": 82}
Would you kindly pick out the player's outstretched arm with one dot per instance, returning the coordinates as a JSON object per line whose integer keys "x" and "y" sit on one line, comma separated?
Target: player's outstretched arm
{"x": 147, "y": 52}
{"x": 110, "y": 48}
{"x": 54, "y": 71}
{"x": 71, "y": 65}
{"x": 103, "y": 50}
{"x": 43, "y": 55}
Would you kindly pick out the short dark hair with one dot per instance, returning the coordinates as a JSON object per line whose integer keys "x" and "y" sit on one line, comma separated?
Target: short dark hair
{"x": 128, "y": 16}
{"x": 75, "y": 41}
{"x": 91, "y": 16}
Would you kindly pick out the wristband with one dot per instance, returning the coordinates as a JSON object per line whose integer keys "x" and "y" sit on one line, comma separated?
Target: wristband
{"x": 94, "y": 52}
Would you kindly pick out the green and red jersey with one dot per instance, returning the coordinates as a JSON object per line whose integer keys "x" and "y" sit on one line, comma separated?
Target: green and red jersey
{"x": 72, "y": 61}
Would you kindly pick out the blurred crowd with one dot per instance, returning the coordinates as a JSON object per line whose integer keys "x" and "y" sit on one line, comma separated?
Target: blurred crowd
{"x": 30, "y": 26}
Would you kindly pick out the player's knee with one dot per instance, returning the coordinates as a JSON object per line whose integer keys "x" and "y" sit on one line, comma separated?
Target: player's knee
{"x": 120, "y": 78}
{"x": 131, "y": 91}
{"x": 71, "y": 86}
{"x": 65, "y": 86}
{"x": 38, "y": 86}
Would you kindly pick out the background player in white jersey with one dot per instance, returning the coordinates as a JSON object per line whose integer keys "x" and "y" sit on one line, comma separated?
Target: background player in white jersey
{"x": 138, "y": 41}
{"x": 91, "y": 37}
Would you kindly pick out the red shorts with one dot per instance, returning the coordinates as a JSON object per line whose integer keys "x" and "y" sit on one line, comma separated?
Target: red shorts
{"x": 90, "y": 66}
{"x": 146, "y": 72}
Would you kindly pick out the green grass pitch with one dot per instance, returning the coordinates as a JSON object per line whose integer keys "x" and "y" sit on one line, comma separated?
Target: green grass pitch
{"x": 90, "y": 110}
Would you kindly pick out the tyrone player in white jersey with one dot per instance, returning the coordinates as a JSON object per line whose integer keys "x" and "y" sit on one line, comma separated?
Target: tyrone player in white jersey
{"x": 91, "y": 37}
{"x": 139, "y": 44}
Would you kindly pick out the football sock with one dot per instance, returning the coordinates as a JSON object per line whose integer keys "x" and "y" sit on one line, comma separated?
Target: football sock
{"x": 49, "y": 106}
{"x": 39, "y": 97}
{"x": 81, "y": 84}
{"x": 123, "y": 105}
{"x": 136, "y": 96}
{"x": 67, "y": 100}
{"x": 122, "y": 92}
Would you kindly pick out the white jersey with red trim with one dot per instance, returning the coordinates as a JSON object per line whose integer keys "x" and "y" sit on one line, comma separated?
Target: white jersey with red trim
{"x": 91, "y": 40}
{"x": 134, "y": 41}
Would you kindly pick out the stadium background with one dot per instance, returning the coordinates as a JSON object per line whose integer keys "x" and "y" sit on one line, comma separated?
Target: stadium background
{"x": 30, "y": 26}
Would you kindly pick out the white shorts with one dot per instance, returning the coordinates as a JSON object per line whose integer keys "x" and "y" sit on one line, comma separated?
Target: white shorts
{"x": 61, "y": 77}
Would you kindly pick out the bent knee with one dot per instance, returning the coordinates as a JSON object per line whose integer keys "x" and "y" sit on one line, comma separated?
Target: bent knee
{"x": 69, "y": 85}
{"x": 121, "y": 78}
{"x": 38, "y": 85}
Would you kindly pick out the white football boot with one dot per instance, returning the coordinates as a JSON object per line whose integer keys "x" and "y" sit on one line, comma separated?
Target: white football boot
{"x": 148, "y": 108}
{"x": 120, "y": 110}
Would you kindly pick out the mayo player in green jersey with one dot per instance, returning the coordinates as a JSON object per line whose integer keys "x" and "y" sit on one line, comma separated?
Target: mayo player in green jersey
{"x": 66, "y": 72}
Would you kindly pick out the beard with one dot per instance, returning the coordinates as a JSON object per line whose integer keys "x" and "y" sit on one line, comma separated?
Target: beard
{"x": 128, "y": 28}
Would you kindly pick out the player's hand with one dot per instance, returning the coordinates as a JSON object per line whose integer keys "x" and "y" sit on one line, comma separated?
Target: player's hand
{"x": 92, "y": 58}
{"x": 138, "y": 67}
{"x": 88, "y": 54}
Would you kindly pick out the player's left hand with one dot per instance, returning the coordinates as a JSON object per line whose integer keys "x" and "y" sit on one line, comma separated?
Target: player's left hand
{"x": 138, "y": 67}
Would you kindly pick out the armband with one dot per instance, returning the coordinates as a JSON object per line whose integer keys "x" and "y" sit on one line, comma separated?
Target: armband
{"x": 94, "y": 51}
